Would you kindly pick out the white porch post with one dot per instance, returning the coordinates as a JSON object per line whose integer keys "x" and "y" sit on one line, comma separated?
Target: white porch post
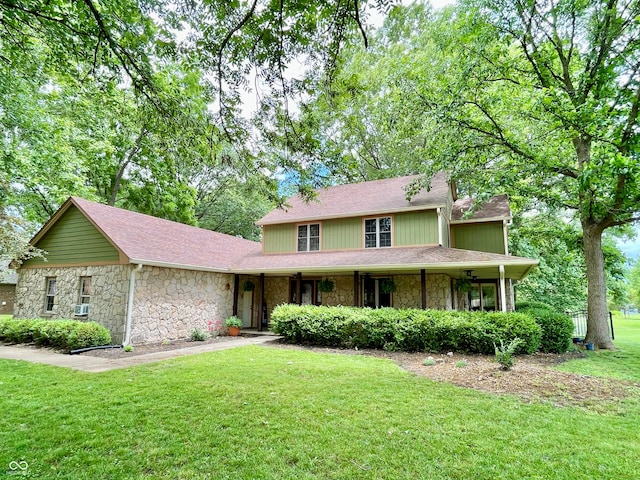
{"x": 503, "y": 290}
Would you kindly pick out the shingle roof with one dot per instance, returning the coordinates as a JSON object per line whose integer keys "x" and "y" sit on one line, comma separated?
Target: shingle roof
{"x": 143, "y": 238}
{"x": 495, "y": 208}
{"x": 433, "y": 259}
{"x": 366, "y": 198}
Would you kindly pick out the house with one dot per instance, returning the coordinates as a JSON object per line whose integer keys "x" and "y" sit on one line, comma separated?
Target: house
{"x": 150, "y": 280}
{"x": 8, "y": 282}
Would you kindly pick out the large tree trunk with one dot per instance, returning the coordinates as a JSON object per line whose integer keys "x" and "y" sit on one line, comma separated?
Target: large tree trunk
{"x": 597, "y": 313}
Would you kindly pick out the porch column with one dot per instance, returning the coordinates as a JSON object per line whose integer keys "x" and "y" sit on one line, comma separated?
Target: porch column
{"x": 356, "y": 290}
{"x": 503, "y": 290}
{"x": 260, "y": 312}
{"x": 299, "y": 288}
{"x": 423, "y": 288}
{"x": 236, "y": 282}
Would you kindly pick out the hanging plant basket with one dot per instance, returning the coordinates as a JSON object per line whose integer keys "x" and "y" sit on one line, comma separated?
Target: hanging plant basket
{"x": 327, "y": 285}
{"x": 388, "y": 285}
{"x": 248, "y": 286}
{"x": 463, "y": 285}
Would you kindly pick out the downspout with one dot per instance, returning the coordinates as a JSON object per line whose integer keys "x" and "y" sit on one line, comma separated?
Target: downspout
{"x": 132, "y": 284}
{"x": 505, "y": 225}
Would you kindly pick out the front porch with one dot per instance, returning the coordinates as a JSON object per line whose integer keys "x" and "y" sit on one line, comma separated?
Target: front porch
{"x": 420, "y": 290}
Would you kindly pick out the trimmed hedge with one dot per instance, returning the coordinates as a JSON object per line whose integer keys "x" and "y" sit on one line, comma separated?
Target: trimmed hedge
{"x": 557, "y": 328}
{"x": 61, "y": 334}
{"x": 406, "y": 329}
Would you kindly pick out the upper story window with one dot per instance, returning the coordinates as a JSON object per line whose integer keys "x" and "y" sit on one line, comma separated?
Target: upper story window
{"x": 50, "y": 294}
{"x": 377, "y": 232}
{"x": 309, "y": 237}
{"x": 84, "y": 294}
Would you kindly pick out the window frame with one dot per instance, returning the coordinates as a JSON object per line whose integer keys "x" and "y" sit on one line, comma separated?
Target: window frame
{"x": 81, "y": 293}
{"x": 308, "y": 237}
{"x": 50, "y": 297}
{"x": 378, "y": 231}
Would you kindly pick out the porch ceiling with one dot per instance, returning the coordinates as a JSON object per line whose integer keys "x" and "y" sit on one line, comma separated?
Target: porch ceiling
{"x": 432, "y": 259}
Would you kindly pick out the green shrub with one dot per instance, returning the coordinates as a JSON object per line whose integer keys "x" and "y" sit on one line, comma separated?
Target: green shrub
{"x": 504, "y": 353}
{"x": 197, "y": 335}
{"x": 405, "y": 329}
{"x": 529, "y": 304}
{"x": 59, "y": 334}
{"x": 87, "y": 334}
{"x": 557, "y": 329}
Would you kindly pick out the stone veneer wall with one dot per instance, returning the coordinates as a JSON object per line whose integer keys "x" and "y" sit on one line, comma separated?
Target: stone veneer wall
{"x": 408, "y": 293}
{"x": 170, "y": 303}
{"x": 276, "y": 292}
{"x": 342, "y": 293}
{"x": 109, "y": 284}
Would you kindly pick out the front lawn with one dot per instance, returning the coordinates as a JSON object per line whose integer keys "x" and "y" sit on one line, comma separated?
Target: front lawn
{"x": 266, "y": 413}
{"x": 624, "y": 363}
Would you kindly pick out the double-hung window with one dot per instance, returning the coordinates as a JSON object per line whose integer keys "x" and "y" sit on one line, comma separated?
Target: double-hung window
{"x": 84, "y": 294}
{"x": 309, "y": 237}
{"x": 377, "y": 232}
{"x": 50, "y": 294}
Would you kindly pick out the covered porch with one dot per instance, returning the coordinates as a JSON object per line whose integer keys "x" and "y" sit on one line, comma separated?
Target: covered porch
{"x": 413, "y": 277}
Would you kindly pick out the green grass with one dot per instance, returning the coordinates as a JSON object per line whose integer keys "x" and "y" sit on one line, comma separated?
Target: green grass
{"x": 624, "y": 363}
{"x": 263, "y": 413}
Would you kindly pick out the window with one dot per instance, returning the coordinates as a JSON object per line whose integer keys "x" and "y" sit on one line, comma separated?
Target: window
{"x": 483, "y": 297}
{"x": 309, "y": 237}
{"x": 375, "y": 295}
{"x": 377, "y": 232}
{"x": 84, "y": 295}
{"x": 50, "y": 294}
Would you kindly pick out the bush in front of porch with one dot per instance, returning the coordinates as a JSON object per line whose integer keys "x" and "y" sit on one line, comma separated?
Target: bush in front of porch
{"x": 405, "y": 329}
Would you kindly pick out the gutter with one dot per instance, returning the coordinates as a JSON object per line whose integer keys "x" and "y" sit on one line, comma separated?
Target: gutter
{"x": 130, "y": 298}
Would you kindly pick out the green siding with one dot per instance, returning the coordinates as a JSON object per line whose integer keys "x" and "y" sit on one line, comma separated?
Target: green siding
{"x": 279, "y": 238}
{"x": 341, "y": 234}
{"x": 74, "y": 240}
{"x": 483, "y": 237}
{"x": 416, "y": 228}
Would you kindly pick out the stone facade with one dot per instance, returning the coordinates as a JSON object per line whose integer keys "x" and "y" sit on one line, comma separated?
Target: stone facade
{"x": 408, "y": 293}
{"x": 108, "y": 296}
{"x": 342, "y": 293}
{"x": 170, "y": 303}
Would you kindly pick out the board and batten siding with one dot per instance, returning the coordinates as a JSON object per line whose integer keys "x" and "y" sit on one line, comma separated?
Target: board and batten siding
{"x": 415, "y": 228}
{"x": 279, "y": 238}
{"x": 342, "y": 234}
{"x": 74, "y": 240}
{"x": 482, "y": 237}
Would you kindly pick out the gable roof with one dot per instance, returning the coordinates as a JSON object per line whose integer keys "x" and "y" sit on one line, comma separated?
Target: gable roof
{"x": 496, "y": 208}
{"x": 155, "y": 241}
{"x": 365, "y": 198}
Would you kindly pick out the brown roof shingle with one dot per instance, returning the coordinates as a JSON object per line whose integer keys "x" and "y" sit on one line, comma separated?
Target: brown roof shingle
{"x": 496, "y": 207}
{"x": 147, "y": 239}
{"x": 366, "y": 198}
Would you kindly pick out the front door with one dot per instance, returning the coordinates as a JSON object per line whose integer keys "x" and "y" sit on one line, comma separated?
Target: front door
{"x": 308, "y": 292}
{"x": 247, "y": 308}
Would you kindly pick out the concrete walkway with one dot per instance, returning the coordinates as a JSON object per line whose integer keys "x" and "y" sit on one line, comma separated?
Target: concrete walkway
{"x": 88, "y": 363}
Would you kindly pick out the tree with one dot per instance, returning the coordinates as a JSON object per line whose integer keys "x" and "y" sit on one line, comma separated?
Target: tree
{"x": 536, "y": 99}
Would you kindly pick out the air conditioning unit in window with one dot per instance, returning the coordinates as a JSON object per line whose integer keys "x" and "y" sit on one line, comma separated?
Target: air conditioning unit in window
{"x": 82, "y": 309}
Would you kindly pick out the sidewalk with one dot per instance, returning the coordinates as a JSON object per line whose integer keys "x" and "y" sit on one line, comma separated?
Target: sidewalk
{"x": 87, "y": 363}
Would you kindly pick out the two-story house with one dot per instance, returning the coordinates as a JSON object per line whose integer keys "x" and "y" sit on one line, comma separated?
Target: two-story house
{"x": 149, "y": 279}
